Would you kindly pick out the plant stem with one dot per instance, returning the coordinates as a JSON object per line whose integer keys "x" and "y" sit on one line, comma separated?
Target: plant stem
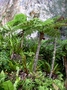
{"x": 53, "y": 59}
{"x": 22, "y": 39}
{"x": 36, "y": 56}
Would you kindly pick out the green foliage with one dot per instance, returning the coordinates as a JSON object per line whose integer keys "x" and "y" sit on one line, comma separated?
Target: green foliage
{"x": 59, "y": 84}
{"x": 30, "y": 45}
{"x": 10, "y": 43}
{"x": 16, "y": 83}
{"x": 14, "y": 43}
{"x": 27, "y": 84}
{"x": 29, "y": 60}
{"x": 2, "y": 77}
{"x": 4, "y": 61}
{"x": 7, "y": 85}
{"x": 12, "y": 66}
{"x": 3, "y": 43}
{"x": 41, "y": 88}
{"x": 64, "y": 46}
{"x": 19, "y": 18}
{"x": 48, "y": 26}
{"x": 47, "y": 67}
{"x": 29, "y": 26}
{"x": 47, "y": 50}
{"x": 38, "y": 81}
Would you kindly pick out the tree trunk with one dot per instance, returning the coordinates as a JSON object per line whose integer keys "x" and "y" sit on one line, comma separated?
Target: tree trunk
{"x": 53, "y": 59}
{"x": 65, "y": 64}
{"x": 36, "y": 56}
{"x": 37, "y": 52}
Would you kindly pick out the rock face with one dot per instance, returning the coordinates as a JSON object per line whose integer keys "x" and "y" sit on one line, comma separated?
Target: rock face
{"x": 45, "y": 8}
{"x": 29, "y": 7}
{"x": 32, "y": 7}
{"x": 8, "y": 9}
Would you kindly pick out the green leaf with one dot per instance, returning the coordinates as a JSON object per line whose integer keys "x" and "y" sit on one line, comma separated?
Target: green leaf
{"x": 2, "y": 76}
{"x": 19, "y": 18}
{"x": 7, "y": 85}
{"x": 41, "y": 88}
{"x": 16, "y": 83}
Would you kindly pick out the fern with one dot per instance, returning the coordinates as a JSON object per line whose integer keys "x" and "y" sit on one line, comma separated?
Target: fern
{"x": 19, "y": 18}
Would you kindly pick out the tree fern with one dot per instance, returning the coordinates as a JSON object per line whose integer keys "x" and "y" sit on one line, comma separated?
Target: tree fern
{"x": 50, "y": 27}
